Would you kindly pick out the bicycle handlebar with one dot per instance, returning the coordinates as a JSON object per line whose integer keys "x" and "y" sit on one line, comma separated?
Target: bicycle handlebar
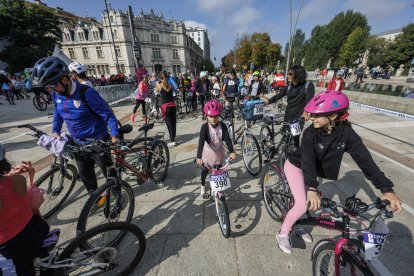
{"x": 355, "y": 206}
{"x": 226, "y": 163}
{"x": 37, "y": 131}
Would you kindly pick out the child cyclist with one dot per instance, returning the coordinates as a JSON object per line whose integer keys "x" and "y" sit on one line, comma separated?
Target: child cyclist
{"x": 211, "y": 149}
{"x": 322, "y": 148}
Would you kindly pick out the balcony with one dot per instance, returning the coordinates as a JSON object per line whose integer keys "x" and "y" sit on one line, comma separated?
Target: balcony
{"x": 156, "y": 58}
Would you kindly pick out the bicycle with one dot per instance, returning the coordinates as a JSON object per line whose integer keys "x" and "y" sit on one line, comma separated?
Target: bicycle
{"x": 268, "y": 137}
{"x": 177, "y": 101}
{"x": 41, "y": 100}
{"x": 354, "y": 249}
{"x": 94, "y": 252}
{"x": 219, "y": 182}
{"x": 145, "y": 158}
{"x": 154, "y": 109}
{"x": 58, "y": 182}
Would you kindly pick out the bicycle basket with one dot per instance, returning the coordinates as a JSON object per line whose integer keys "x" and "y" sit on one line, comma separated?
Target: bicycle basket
{"x": 253, "y": 110}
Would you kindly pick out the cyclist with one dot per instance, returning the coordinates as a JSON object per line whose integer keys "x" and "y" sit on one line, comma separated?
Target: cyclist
{"x": 21, "y": 229}
{"x": 78, "y": 72}
{"x": 230, "y": 87}
{"x": 211, "y": 149}
{"x": 203, "y": 88}
{"x": 256, "y": 88}
{"x": 337, "y": 83}
{"x": 140, "y": 95}
{"x": 85, "y": 112}
{"x": 298, "y": 92}
{"x": 322, "y": 148}
{"x": 168, "y": 107}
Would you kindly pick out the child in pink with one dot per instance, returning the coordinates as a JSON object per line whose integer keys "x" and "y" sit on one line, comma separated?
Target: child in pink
{"x": 140, "y": 95}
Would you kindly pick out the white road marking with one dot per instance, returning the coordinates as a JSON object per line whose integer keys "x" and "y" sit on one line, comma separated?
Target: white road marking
{"x": 392, "y": 161}
{"x": 380, "y": 268}
{"x": 408, "y": 208}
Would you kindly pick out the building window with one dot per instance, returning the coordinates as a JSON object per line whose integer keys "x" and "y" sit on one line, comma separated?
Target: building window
{"x": 85, "y": 52}
{"x": 176, "y": 69}
{"x": 118, "y": 51}
{"x": 111, "y": 18}
{"x": 67, "y": 37}
{"x": 71, "y": 53}
{"x": 95, "y": 35}
{"x": 175, "y": 53}
{"x": 115, "y": 32}
{"x": 155, "y": 38}
{"x": 198, "y": 43}
{"x": 99, "y": 52}
{"x": 81, "y": 36}
{"x": 107, "y": 69}
{"x": 156, "y": 52}
{"x": 174, "y": 39}
{"x": 199, "y": 38}
{"x": 122, "y": 68}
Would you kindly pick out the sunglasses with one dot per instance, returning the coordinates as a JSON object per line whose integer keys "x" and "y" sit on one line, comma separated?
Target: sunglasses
{"x": 290, "y": 74}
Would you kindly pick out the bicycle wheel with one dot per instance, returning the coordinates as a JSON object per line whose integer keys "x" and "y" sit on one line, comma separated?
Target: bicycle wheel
{"x": 177, "y": 101}
{"x": 40, "y": 103}
{"x": 158, "y": 161}
{"x": 323, "y": 263}
{"x": 252, "y": 156}
{"x": 57, "y": 188}
{"x": 266, "y": 143}
{"x": 276, "y": 195}
{"x": 115, "y": 253}
{"x": 108, "y": 203}
{"x": 223, "y": 217}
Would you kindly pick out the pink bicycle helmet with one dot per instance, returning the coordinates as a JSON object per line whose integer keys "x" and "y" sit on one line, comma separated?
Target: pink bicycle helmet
{"x": 328, "y": 102}
{"x": 212, "y": 108}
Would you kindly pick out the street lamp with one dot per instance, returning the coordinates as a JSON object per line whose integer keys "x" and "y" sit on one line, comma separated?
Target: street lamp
{"x": 112, "y": 36}
{"x": 235, "y": 48}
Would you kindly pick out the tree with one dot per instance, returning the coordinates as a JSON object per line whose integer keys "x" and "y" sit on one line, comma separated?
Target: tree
{"x": 31, "y": 33}
{"x": 401, "y": 51}
{"x": 353, "y": 47}
{"x": 378, "y": 51}
{"x": 206, "y": 65}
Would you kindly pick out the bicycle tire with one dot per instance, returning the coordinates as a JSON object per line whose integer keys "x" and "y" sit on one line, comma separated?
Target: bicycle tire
{"x": 40, "y": 103}
{"x": 160, "y": 147}
{"x": 254, "y": 145}
{"x": 273, "y": 185}
{"x": 223, "y": 217}
{"x": 177, "y": 101}
{"x": 50, "y": 191}
{"x": 109, "y": 213}
{"x": 80, "y": 241}
{"x": 265, "y": 141}
{"x": 326, "y": 252}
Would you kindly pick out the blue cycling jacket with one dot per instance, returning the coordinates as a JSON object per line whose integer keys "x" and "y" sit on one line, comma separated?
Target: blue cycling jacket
{"x": 173, "y": 83}
{"x": 84, "y": 120}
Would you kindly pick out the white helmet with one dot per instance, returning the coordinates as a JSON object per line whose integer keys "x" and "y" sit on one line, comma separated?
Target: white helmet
{"x": 77, "y": 67}
{"x": 203, "y": 74}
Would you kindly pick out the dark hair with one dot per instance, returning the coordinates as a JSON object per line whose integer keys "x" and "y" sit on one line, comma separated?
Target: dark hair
{"x": 299, "y": 73}
{"x": 82, "y": 75}
{"x": 5, "y": 167}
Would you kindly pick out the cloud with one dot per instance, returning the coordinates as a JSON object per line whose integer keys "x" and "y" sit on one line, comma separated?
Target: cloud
{"x": 218, "y": 6}
{"x": 316, "y": 9}
{"x": 377, "y": 10}
{"x": 194, "y": 24}
{"x": 244, "y": 17}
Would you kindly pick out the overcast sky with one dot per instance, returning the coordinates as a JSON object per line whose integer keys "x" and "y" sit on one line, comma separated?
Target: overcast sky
{"x": 225, "y": 18}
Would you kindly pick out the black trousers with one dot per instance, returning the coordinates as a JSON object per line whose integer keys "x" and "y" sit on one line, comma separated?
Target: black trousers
{"x": 137, "y": 103}
{"x": 204, "y": 173}
{"x": 25, "y": 247}
{"x": 171, "y": 121}
{"x": 86, "y": 167}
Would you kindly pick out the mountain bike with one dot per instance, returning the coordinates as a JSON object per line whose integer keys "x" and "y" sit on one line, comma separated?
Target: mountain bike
{"x": 189, "y": 101}
{"x": 41, "y": 100}
{"x": 101, "y": 250}
{"x": 219, "y": 182}
{"x": 58, "y": 181}
{"x": 154, "y": 109}
{"x": 145, "y": 157}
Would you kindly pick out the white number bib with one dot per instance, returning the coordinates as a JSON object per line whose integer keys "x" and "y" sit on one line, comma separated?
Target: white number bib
{"x": 295, "y": 129}
{"x": 220, "y": 182}
{"x": 258, "y": 109}
{"x": 148, "y": 100}
{"x": 373, "y": 241}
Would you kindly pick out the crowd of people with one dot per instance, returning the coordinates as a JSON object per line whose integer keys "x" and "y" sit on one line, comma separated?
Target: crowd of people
{"x": 88, "y": 116}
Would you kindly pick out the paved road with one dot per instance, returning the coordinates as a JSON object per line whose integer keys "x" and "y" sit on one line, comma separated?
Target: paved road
{"x": 183, "y": 237}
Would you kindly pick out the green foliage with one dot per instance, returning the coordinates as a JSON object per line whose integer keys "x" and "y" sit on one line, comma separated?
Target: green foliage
{"x": 206, "y": 65}
{"x": 378, "y": 51}
{"x": 401, "y": 51}
{"x": 31, "y": 33}
{"x": 353, "y": 47}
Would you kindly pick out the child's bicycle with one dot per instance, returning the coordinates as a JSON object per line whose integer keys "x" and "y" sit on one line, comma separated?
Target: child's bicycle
{"x": 346, "y": 255}
{"x": 114, "y": 248}
{"x": 219, "y": 182}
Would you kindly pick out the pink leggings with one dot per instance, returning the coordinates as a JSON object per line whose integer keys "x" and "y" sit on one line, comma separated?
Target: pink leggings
{"x": 294, "y": 176}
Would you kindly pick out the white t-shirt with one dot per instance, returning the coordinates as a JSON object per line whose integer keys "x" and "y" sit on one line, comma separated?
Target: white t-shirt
{"x": 338, "y": 84}
{"x": 255, "y": 87}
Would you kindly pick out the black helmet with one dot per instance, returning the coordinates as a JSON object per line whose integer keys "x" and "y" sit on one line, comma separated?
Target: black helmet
{"x": 49, "y": 70}
{"x": 232, "y": 71}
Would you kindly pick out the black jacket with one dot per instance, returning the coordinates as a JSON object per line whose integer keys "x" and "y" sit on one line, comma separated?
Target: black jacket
{"x": 321, "y": 155}
{"x": 260, "y": 89}
{"x": 297, "y": 98}
{"x": 205, "y": 137}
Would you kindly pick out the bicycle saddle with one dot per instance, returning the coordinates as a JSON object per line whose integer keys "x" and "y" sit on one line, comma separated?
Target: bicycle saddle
{"x": 50, "y": 241}
{"x": 146, "y": 127}
{"x": 125, "y": 129}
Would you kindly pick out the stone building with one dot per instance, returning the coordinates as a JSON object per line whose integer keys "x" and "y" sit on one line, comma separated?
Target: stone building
{"x": 164, "y": 44}
{"x": 200, "y": 36}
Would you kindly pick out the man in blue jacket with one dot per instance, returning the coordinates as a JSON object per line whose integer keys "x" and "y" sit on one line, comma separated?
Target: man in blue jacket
{"x": 85, "y": 112}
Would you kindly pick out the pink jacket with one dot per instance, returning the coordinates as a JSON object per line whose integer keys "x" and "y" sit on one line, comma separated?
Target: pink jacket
{"x": 143, "y": 89}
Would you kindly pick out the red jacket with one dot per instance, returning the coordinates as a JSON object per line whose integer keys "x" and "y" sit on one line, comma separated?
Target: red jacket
{"x": 332, "y": 84}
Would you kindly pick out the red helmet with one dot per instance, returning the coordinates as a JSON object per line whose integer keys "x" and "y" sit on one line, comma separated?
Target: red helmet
{"x": 212, "y": 108}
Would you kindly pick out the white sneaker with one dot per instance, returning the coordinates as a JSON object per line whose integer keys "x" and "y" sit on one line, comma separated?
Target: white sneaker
{"x": 301, "y": 232}
{"x": 202, "y": 190}
{"x": 284, "y": 243}
{"x": 171, "y": 144}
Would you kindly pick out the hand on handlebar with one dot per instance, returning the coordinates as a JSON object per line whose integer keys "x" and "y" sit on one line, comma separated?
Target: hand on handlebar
{"x": 199, "y": 162}
{"x": 232, "y": 156}
{"x": 313, "y": 201}
{"x": 265, "y": 100}
{"x": 395, "y": 201}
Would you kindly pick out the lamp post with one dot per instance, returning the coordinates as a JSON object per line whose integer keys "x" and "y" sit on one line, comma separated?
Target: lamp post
{"x": 235, "y": 49}
{"x": 112, "y": 36}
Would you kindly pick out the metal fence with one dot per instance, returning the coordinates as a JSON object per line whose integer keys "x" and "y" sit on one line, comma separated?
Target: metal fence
{"x": 116, "y": 93}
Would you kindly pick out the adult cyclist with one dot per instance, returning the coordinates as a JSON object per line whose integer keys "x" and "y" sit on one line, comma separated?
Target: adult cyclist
{"x": 78, "y": 73}
{"x": 299, "y": 92}
{"x": 231, "y": 87}
{"x": 85, "y": 112}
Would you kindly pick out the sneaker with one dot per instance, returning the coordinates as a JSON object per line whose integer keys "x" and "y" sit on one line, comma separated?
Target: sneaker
{"x": 171, "y": 144}
{"x": 284, "y": 243}
{"x": 202, "y": 190}
{"x": 132, "y": 117}
{"x": 301, "y": 232}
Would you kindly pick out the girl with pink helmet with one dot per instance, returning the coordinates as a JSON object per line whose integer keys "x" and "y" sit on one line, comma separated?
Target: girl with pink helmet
{"x": 322, "y": 147}
{"x": 211, "y": 149}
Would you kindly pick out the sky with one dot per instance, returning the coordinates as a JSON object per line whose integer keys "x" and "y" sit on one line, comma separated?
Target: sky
{"x": 227, "y": 19}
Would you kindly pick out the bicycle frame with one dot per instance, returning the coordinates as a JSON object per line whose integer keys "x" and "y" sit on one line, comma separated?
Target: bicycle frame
{"x": 121, "y": 163}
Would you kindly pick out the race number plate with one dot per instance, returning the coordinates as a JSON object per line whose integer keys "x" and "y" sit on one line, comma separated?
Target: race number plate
{"x": 148, "y": 100}
{"x": 374, "y": 241}
{"x": 258, "y": 109}
{"x": 295, "y": 129}
{"x": 220, "y": 182}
